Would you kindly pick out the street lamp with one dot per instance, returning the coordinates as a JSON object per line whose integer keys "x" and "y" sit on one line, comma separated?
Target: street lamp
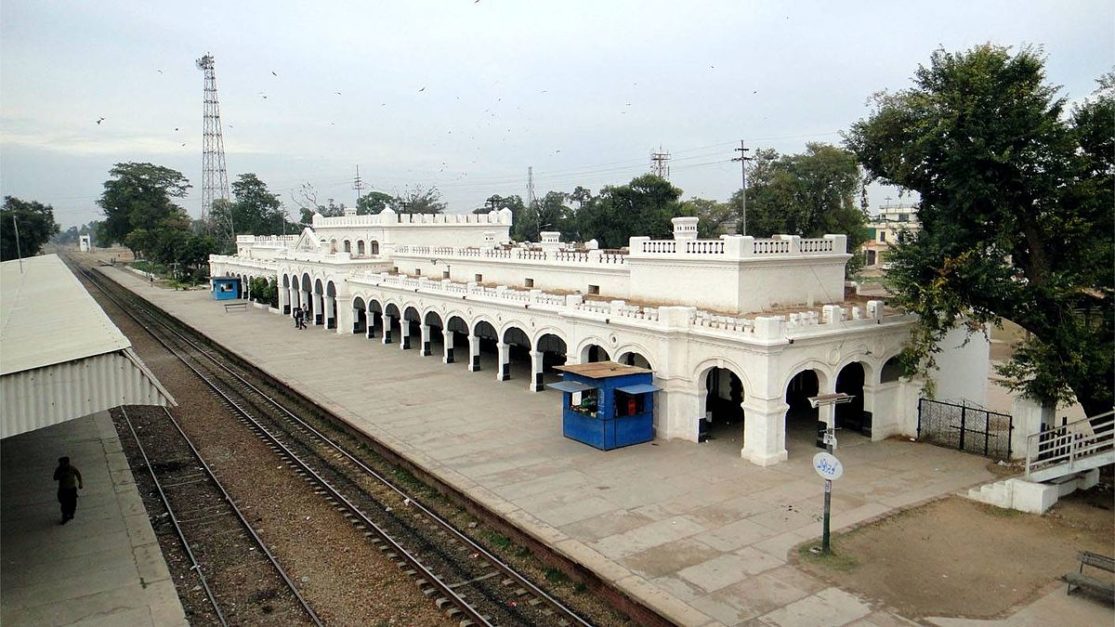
{"x": 826, "y": 464}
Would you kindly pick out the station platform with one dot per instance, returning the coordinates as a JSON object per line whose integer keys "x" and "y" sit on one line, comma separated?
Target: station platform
{"x": 105, "y": 566}
{"x": 691, "y": 530}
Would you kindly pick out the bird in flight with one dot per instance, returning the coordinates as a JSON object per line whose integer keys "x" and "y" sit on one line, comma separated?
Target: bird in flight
{"x": 337, "y": 92}
{"x": 273, "y": 73}
{"x": 99, "y": 121}
{"x": 423, "y": 89}
{"x": 159, "y": 71}
{"x": 175, "y": 128}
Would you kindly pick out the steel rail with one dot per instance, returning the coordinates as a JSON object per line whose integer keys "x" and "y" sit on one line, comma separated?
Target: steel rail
{"x": 194, "y": 564}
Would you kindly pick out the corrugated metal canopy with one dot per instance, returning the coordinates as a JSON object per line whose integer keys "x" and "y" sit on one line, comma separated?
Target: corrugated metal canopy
{"x": 639, "y": 388}
{"x": 60, "y": 356}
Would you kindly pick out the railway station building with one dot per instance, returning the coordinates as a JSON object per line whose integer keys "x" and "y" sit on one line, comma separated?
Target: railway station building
{"x": 739, "y": 332}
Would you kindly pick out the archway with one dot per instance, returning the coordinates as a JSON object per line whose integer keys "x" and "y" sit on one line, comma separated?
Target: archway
{"x": 360, "y": 248}
{"x": 486, "y": 340}
{"x": 593, "y": 353}
{"x": 892, "y": 370}
{"x": 723, "y": 403}
{"x": 517, "y": 363}
{"x": 456, "y": 339}
{"x": 632, "y": 358}
{"x": 306, "y": 297}
{"x": 375, "y": 317}
{"x": 550, "y": 349}
{"x": 330, "y": 305}
{"x": 411, "y": 328}
{"x": 803, "y": 421}
{"x": 435, "y": 338}
{"x": 359, "y": 316}
{"x": 319, "y": 302}
{"x": 391, "y": 322}
{"x": 851, "y": 416}
{"x": 285, "y": 295}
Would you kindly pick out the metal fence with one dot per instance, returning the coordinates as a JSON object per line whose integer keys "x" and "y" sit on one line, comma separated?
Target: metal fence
{"x": 968, "y": 429}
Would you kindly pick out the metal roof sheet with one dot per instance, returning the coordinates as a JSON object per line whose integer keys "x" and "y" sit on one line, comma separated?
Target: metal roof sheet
{"x": 601, "y": 369}
{"x": 570, "y": 386}
{"x": 60, "y": 356}
{"x": 47, "y": 317}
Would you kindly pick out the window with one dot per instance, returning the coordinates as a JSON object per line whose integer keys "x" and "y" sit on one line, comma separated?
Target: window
{"x": 882, "y": 236}
{"x": 479, "y": 278}
{"x": 418, "y": 272}
{"x": 375, "y": 247}
{"x": 528, "y": 282}
{"x": 360, "y": 248}
{"x": 348, "y": 246}
{"x": 594, "y": 289}
{"x": 584, "y": 402}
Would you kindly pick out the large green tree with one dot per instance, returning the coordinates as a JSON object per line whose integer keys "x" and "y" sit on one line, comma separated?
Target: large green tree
{"x": 1016, "y": 213}
{"x": 419, "y": 199}
{"x": 139, "y": 196}
{"x": 373, "y": 203}
{"x": 253, "y": 211}
{"x": 34, "y": 222}
{"x": 808, "y": 194}
{"x": 644, "y": 206}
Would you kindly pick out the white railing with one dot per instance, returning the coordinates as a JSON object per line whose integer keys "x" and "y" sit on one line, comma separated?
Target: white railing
{"x": 1070, "y": 446}
{"x": 556, "y": 257}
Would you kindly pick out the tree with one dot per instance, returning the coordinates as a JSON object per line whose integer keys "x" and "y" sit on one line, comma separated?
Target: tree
{"x": 715, "y": 217}
{"x": 1016, "y": 214}
{"x": 373, "y": 203}
{"x": 308, "y": 205}
{"x": 808, "y": 194}
{"x": 35, "y": 224}
{"x": 644, "y": 206}
{"x": 254, "y": 211}
{"x": 138, "y": 196}
{"x": 419, "y": 200}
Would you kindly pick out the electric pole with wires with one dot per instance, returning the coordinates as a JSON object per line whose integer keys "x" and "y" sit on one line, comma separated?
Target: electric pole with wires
{"x": 743, "y": 159}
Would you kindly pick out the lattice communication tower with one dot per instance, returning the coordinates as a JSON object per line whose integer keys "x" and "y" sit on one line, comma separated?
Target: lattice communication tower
{"x": 214, "y": 178}
{"x": 660, "y": 163}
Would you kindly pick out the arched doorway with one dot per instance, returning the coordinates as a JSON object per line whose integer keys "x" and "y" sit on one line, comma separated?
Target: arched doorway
{"x": 851, "y": 416}
{"x": 391, "y": 322}
{"x": 359, "y": 316}
{"x": 375, "y": 318}
{"x": 486, "y": 339}
{"x": 435, "y": 343}
{"x": 803, "y": 421}
{"x": 551, "y": 352}
{"x": 411, "y": 327}
{"x": 306, "y": 297}
{"x": 330, "y": 305}
{"x": 593, "y": 353}
{"x": 632, "y": 358}
{"x": 456, "y": 339}
{"x": 723, "y": 401}
{"x": 284, "y": 295}
{"x": 518, "y": 353}
{"x": 319, "y": 302}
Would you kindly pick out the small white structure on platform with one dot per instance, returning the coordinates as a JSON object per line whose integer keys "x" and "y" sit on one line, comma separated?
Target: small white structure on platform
{"x": 60, "y": 356}
{"x": 739, "y": 331}
{"x": 85, "y": 243}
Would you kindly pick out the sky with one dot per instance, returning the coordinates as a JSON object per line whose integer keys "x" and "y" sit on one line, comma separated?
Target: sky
{"x": 467, "y": 95}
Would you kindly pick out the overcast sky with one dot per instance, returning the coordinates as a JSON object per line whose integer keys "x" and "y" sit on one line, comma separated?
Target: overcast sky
{"x": 466, "y": 95}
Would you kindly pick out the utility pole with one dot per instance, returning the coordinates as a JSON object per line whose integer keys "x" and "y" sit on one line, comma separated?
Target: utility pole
{"x": 531, "y": 200}
{"x": 18, "y": 252}
{"x": 743, "y": 159}
{"x": 660, "y": 163}
{"x": 358, "y": 184}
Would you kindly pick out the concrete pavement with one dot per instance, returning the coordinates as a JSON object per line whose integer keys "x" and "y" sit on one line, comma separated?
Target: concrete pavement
{"x": 692, "y": 530}
{"x": 104, "y": 567}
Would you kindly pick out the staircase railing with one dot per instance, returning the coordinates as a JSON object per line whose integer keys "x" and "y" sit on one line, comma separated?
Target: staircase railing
{"x": 1070, "y": 443}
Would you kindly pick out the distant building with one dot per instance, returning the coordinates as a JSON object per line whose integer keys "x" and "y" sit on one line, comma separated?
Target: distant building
{"x": 85, "y": 243}
{"x": 884, "y": 229}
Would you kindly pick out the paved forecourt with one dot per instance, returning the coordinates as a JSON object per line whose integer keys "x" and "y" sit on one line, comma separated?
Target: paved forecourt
{"x": 692, "y": 530}
{"x": 105, "y": 566}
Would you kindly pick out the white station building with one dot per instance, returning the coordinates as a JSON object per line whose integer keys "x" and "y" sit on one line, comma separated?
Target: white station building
{"x": 740, "y": 332}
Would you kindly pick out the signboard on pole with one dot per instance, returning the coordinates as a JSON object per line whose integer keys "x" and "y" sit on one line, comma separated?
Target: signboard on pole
{"x": 828, "y": 466}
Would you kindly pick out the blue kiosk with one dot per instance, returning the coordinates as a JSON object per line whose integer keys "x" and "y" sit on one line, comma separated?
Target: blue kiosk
{"x": 225, "y": 287}
{"x": 607, "y": 405}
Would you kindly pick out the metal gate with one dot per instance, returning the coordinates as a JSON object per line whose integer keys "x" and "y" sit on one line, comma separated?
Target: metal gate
{"x": 968, "y": 429}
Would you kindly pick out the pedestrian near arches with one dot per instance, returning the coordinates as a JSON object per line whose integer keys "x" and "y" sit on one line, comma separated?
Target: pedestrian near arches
{"x": 69, "y": 482}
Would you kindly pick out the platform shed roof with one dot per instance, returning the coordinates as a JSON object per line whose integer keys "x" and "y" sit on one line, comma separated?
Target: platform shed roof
{"x": 60, "y": 356}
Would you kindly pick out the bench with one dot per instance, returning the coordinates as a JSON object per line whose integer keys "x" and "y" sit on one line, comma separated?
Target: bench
{"x": 1080, "y": 580}
{"x": 236, "y": 307}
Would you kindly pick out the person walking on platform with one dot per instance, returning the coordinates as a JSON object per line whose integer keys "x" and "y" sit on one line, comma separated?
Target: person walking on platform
{"x": 299, "y": 318}
{"x": 69, "y": 481}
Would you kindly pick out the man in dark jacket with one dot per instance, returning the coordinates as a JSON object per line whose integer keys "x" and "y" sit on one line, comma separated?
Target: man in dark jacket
{"x": 69, "y": 480}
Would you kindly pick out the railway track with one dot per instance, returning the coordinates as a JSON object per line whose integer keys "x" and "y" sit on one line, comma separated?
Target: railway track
{"x": 461, "y": 576}
{"x": 214, "y": 533}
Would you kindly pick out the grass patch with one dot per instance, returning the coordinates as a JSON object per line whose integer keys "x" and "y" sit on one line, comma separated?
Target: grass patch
{"x": 555, "y": 576}
{"x": 497, "y": 539}
{"x": 835, "y": 560}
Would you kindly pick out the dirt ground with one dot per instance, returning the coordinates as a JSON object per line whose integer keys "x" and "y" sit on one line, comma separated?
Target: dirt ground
{"x": 959, "y": 558}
